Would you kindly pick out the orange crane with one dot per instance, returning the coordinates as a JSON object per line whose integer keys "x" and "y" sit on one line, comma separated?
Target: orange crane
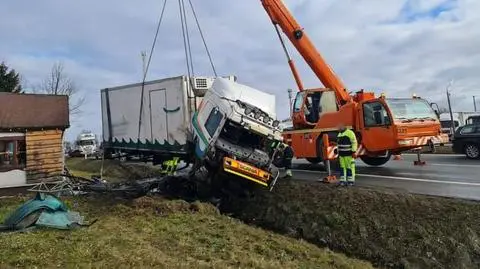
{"x": 384, "y": 126}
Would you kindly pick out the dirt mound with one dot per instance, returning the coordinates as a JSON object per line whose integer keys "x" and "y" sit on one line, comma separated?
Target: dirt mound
{"x": 389, "y": 229}
{"x": 163, "y": 207}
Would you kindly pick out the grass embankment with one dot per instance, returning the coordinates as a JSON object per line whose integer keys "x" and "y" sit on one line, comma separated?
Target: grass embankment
{"x": 152, "y": 232}
{"x": 390, "y": 229}
{"x": 112, "y": 169}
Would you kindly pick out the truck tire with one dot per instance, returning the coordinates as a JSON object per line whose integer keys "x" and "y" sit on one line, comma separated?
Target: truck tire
{"x": 376, "y": 161}
{"x": 472, "y": 151}
{"x": 319, "y": 147}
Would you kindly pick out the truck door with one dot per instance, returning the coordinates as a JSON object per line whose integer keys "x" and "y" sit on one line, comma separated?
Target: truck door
{"x": 376, "y": 124}
{"x": 158, "y": 116}
{"x": 207, "y": 126}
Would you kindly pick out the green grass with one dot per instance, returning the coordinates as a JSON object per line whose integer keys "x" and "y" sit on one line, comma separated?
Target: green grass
{"x": 154, "y": 232}
{"x": 113, "y": 170}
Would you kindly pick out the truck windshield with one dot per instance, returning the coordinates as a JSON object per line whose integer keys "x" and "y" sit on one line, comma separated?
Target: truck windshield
{"x": 410, "y": 109}
{"x": 85, "y": 142}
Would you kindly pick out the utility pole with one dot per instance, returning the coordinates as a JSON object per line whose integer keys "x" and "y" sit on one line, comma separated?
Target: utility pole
{"x": 144, "y": 64}
{"x": 290, "y": 101}
{"x": 474, "y": 104}
{"x": 452, "y": 127}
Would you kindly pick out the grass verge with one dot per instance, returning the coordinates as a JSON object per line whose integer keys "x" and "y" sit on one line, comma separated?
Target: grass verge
{"x": 157, "y": 233}
{"x": 113, "y": 170}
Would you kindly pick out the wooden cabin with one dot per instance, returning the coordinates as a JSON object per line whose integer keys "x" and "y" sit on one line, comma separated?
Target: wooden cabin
{"x": 31, "y": 137}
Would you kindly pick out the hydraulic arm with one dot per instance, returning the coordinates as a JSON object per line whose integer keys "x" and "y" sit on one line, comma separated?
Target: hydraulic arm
{"x": 280, "y": 16}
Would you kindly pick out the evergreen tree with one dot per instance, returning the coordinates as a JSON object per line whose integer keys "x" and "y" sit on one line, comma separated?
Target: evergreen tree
{"x": 9, "y": 80}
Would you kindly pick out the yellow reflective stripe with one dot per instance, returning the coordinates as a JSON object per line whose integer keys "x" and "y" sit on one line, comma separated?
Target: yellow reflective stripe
{"x": 245, "y": 176}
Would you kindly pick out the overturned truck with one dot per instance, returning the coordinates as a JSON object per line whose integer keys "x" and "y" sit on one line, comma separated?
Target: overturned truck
{"x": 215, "y": 123}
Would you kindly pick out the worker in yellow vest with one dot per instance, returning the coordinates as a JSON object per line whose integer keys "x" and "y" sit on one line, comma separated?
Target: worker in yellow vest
{"x": 347, "y": 148}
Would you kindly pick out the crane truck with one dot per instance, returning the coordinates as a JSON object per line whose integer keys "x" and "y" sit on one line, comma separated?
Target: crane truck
{"x": 211, "y": 122}
{"x": 384, "y": 126}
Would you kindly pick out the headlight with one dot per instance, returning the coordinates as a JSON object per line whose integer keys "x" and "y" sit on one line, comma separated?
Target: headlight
{"x": 276, "y": 123}
{"x": 405, "y": 142}
{"x": 248, "y": 111}
{"x": 258, "y": 114}
{"x": 266, "y": 119}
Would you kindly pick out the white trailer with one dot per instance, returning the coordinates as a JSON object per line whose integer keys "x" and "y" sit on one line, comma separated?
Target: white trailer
{"x": 165, "y": 126}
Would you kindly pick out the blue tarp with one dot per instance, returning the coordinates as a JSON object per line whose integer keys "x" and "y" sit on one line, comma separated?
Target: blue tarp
{"x": 44, "y": 210}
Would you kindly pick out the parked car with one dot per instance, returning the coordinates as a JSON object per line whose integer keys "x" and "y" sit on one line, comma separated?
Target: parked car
{"x": 467, "y": 141}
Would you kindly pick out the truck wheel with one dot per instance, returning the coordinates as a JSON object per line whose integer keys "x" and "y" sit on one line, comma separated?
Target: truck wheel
{"x": 319, "y": 147}
{"x": 314, "y": 160}
{"x": 376, "y": 161}
{"x": 472, "y": 151}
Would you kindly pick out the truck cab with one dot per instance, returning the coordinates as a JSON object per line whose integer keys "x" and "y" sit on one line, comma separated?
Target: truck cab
{"x": 236, "y": 126}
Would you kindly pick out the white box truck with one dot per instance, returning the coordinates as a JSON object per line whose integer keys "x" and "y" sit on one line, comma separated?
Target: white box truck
{"x": 213, "y": 122}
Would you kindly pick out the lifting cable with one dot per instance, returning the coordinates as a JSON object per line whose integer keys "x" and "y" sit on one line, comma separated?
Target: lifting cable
{"x": 146, "y": 71}
{"x": 203, "y": 38}
{"x": 186, "y": 38}
{"x": 188, "y": 55}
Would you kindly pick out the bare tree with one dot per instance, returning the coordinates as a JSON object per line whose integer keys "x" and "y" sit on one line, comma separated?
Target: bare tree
{"x": 59, "y": 83}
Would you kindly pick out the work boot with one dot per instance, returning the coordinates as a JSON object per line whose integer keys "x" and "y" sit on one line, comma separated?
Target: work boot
{"x": 287, "y": 177}
{"x": 351, "y": 183}
{"x": 342, "y": 183}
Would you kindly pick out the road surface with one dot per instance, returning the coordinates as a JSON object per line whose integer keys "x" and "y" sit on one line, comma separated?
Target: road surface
{"x": 443, "y": 175}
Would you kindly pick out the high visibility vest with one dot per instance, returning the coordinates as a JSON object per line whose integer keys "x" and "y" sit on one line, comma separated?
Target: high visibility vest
{"x": 288, "y": 152}
{"x": 346, "y": 143}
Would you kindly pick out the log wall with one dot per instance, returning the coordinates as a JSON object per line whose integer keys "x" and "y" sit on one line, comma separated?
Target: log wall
{"x": 45, "y": 155}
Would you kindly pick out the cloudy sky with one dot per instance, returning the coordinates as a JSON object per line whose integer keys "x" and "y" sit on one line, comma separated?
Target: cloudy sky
{"x": 399, "y": 47}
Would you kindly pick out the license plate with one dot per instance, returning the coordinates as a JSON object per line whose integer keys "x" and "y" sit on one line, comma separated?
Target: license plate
{"x": 246, "y": 171}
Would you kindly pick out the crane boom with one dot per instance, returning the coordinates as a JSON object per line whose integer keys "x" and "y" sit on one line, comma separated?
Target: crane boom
{"x": 280, "y": 15}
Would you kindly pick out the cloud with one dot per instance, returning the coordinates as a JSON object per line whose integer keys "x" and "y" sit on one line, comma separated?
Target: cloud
{"x": 398, "y": 47}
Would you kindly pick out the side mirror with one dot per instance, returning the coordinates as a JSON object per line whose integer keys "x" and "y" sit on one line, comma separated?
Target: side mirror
{"x": 378, "y": 117}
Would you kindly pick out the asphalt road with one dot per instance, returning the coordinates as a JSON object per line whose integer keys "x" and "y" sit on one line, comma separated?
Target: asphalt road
{"x": 443, "y": 175}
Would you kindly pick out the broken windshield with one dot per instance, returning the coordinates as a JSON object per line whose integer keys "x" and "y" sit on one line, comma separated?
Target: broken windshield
{"x": 411, "y": 109}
